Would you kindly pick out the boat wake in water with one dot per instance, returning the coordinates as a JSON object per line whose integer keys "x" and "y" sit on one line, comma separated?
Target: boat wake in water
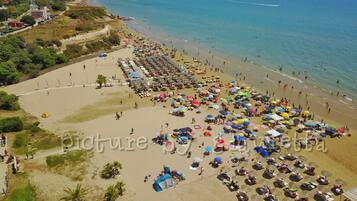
{"x": 258, "y": 4}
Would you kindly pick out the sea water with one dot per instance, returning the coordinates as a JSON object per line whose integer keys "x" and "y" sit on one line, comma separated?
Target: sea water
{"x": 315, "y": 37}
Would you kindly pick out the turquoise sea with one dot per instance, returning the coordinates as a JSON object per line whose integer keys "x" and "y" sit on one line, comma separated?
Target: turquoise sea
{"x": 318, "y": 37}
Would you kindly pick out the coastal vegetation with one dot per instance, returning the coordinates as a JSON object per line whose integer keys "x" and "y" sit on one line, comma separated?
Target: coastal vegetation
{"x": 111, "y": 170}
{"x": 69, "y": 24}
{"x": 18, "y": 58}
{"x": 76, "y": 194}
{"x": 14, "y": 9}
{"x": 86, "y": 12}
{"x": 101, "y": 79}
{"x": 22, "y": 129}
{"x": 72, "y": 164}
{"x": 114, "y": 191}
{"x": 8, "y": 101}
{"x": 27, "y": 19}
{"x": 20, "y": 188}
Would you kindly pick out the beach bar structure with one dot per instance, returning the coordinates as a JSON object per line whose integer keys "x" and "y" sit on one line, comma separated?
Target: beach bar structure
{"x": 157, "y": 73}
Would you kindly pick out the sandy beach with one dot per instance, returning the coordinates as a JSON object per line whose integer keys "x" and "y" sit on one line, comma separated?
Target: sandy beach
{"x": 68, "y": 94}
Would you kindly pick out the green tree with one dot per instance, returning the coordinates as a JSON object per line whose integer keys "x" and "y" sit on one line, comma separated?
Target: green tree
{"x": 101, "y": 79}
{"x": 8, "y": 101}
{"x": 77, "y": 194}
{"x": 4, "y": 14}
{"x": 8, "y": 73}
{"x": 27, "y": 19}
{"x": 44, "y": 57}
{"x": 61, "y": 58}
{"x": 42, "y": 3}
{"x": 110, "y": 170}
{"x": 58, "y": 5}
{"x": 21, "y": 58}
{"x": 11, "y": 124}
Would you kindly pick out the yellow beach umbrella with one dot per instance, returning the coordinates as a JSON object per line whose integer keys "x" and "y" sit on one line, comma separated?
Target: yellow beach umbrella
{"x": 285, "y": 115}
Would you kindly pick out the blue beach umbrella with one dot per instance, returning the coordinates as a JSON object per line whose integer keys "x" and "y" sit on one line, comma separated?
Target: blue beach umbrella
{"x": 208, "y": 149}
{"x": 218, "y": 160}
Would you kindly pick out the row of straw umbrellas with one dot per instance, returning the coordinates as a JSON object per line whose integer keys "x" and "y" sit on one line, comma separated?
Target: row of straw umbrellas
{"x": 286, "y": 178}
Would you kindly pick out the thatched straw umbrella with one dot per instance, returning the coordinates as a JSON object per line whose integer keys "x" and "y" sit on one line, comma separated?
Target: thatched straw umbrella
{"x": 313, "y": 164}
{"x": 323, "y": 188}
{"x": 326, "y": 173}
{"x": 340, "y": 181}
{"x": 302, "y": 158}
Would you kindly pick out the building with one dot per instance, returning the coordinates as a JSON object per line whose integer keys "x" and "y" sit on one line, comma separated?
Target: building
{"x": 39, "y": 14}
{"x": 16, "y": 24}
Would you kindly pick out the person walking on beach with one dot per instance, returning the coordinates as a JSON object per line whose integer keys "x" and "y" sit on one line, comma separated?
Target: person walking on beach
{"x": 201, "y": 171}
{"x": 132, "y": 131}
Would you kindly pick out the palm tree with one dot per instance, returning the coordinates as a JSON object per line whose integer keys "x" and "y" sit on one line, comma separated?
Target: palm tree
{"x": 111, "y": 194}
{"x": 121, "y": 187}
{"x": 76, "y": 194}
{"x": 114, "y": 191}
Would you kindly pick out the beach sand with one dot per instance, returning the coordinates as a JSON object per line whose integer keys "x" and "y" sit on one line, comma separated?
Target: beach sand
{"x": 68, "y": 103}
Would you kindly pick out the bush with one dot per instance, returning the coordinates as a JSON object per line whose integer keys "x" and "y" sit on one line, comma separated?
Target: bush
{"x": 27, "y": 19}
{"x": 8, "y": 101}
{"x": 86, "y": 13}
{"x": 84, "y": 27}
{"x": 114, "y": 191}
{"x": 110, "y": 170}
{"x": 21, "y": 142}
{"x": 73, "y": 51}
{"x": 55, "y": 160}
{"x": 8, "y": 73}
{"x": 61, "y": 58}
{"x": 113, "y": 39}
{"x": 57, "y": 5}
{"x": 11, "y": 124}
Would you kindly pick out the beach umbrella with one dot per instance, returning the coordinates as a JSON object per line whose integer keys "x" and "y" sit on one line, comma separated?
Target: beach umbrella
{"x": 340, "y": 181}
{"x": 218, "y": 160}
{"x": 302, "y": 158}
{"x": 326, "y": 173}
{"x": 208, "y": 149}
{"x": 313, "y": 164}
{"x": 285, "y": 115}
{"x": 223, "y": 112}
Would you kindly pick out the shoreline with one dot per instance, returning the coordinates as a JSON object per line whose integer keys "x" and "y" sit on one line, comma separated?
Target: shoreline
{"x": 343, "y": 111}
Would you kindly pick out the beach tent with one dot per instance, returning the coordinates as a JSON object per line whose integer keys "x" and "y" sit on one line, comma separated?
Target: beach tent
{"x": 276, "y": 117}
{"x": 274, "y": 133}
{"x": 262, "y": 151}
{"x": 163, "y": 182}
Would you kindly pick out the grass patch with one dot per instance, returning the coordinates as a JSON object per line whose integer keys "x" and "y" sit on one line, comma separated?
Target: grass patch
{"x": 20, "y": 142}
{"x": 73, "y": 164}
{"x": 60, "y": 28}
{"x": 115, "y": 102}
{"x": 41, "y": 140}
{"x": 20, "y": 188}
{"x": 26, "y": 193}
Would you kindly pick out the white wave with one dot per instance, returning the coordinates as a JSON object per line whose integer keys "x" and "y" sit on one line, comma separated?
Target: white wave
{"x": 259, "y": 4}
